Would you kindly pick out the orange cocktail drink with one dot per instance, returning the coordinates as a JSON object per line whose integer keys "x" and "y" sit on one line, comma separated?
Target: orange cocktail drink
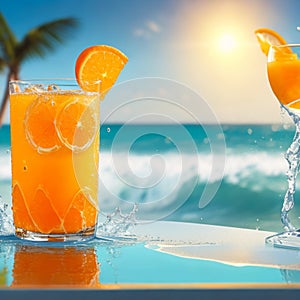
{"x": 55, "y": 153}
{"x": 284, "y": 75}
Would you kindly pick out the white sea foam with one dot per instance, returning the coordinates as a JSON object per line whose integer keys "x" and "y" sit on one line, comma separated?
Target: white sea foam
{"x": 150, "y": 169}
{"x": 5, "y": 166}
{"x": 238, "y": 165}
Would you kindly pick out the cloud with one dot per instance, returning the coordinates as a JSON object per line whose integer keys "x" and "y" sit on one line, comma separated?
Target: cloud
{"x": 147, "y": 30}
{"x": 153, "y": 26}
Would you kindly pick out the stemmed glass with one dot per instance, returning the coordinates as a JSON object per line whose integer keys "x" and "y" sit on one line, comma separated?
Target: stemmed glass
{"x": 284, "y": 77}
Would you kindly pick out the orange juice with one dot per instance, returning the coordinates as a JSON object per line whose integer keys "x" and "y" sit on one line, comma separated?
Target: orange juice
{"x": 55, "y": 152}
{"x": 55, "y": 267}
{"x": 284, "y": 78}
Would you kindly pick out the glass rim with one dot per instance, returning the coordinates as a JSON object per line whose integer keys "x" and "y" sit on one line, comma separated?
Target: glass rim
{"x": 64, "y": 83}
{"x": 50, "y": 79}
{"x": 285, "y": 45}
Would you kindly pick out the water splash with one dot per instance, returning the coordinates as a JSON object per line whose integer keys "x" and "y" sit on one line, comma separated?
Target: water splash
{"x": 6, "y": 222}
{"x": 292, "y": 156}
{"x": 118, "y": 225}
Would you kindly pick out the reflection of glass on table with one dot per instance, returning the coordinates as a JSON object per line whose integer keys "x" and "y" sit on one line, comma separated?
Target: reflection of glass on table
{"x": 36, "y": 266}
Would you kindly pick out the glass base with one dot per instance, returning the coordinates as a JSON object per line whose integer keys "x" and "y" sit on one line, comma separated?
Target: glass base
{"x": 288, "y": 239}
{"x": 84, "y": 235}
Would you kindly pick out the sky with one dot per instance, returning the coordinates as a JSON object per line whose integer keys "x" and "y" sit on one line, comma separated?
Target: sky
{"x": 206, "y": 46}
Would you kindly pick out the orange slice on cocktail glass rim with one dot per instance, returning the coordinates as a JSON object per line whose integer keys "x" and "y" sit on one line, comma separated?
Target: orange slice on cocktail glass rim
{"x": 96, "y": 64}
{"x": 267, "y": 38}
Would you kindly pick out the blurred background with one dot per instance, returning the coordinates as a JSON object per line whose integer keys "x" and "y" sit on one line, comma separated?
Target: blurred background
{"x": 208, "y": 45}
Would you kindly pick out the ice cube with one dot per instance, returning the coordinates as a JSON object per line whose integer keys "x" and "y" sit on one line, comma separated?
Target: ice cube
{"x": 53, "y": 87}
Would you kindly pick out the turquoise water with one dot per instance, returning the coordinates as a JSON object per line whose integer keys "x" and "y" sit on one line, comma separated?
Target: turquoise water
{"x": 165, "y": 170}
{"x": 135, "y": 263}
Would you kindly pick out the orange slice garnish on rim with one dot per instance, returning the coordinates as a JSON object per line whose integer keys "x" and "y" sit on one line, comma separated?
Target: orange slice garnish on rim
{"x": 267, "y": 38}
{"x": 99, "y": 63}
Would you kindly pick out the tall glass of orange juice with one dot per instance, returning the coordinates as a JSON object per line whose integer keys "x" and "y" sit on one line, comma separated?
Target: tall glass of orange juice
{"x": 55, "y": 153}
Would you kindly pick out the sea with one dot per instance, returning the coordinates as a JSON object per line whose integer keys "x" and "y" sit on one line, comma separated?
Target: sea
{"x": 228, "y": 174}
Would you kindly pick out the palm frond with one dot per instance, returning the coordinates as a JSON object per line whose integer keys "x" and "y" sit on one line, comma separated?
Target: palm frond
{"x": 3, "y": 64}
{"x": 44, "y": 38}
{"x": 8, "y": 40}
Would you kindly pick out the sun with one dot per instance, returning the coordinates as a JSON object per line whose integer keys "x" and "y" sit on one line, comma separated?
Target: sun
{"x": 227, "y": 43}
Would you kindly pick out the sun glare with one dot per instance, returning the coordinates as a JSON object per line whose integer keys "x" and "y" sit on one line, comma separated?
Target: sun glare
{"x": 227, "y": 43}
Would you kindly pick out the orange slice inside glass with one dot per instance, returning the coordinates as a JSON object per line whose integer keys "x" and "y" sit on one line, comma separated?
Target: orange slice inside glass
{"x": 22, "y": 218}
{"x": 82, "y": 213}
{"x": 43, "y": 213}
{"x": 39, "y": 124}
{"x": 99, "y": 63}
{"x": 267, "y": 38}
{"x": 77, "y": 124}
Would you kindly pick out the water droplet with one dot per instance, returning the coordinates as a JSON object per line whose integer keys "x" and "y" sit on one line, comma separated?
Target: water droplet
{"x": 108, "y": 130}
{"x": 6, "y": 222}
{"x": 118, "y": 225}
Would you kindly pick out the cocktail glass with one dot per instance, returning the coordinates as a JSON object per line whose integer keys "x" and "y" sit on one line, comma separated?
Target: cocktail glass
{"x": 55, "y": 153}
{"x": 284, "y": 77}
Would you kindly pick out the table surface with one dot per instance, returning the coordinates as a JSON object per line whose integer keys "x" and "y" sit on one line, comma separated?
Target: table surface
{"x": 164, "y": 258}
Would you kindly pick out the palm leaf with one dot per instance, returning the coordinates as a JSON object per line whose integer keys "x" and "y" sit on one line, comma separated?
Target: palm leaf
{"x": 3, "y": 64}
{"x": 44, "y": 38}
{"x": 8, "y": 40}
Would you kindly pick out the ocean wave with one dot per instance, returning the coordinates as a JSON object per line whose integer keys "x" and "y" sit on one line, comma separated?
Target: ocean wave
{"x": 169, "y": 184}
{"x": 237, "y": 167}
{"x": 162, "y": 186}
{"x": 146, "y": 171}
